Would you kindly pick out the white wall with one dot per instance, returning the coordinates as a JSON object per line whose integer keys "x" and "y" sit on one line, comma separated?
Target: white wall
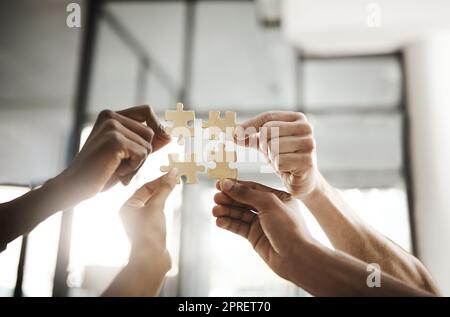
{"x": 428, "y": 73}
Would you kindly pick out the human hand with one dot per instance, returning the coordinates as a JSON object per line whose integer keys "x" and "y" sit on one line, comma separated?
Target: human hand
{"x": 114, "y": 151}
{"x": 269, "y": 219}
{"x": 286, "y": 140}
{"x": 144, "y": 222}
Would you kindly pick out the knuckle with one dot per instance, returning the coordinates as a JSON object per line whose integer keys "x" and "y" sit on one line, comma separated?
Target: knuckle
{"x": 240, "y": 190}
{"x": 114, "y": 137}
{"x": 309, "y": 144}
{"x": 106, "y": 114}
{"x": 114, "y": 140}
{"x": 267, "y": 116}
{"x": 111, "y": 124}
{"x": 309, "y": 128}
{"x": 271, "y": 129}
{"x": 267, "y": 125}
{"x": 146, "y": 110}
{"x": 305, "y": 128}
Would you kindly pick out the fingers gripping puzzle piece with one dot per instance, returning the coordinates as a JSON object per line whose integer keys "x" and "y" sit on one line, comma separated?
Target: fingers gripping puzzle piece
{"x": 222, "y": 158}
{"x": 217, "y": 125}
{"x": 180, "y": 120}
{"x": 187, "y": 168}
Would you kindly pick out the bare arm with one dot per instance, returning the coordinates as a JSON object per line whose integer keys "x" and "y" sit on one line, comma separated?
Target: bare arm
{"x": 270, "y": 220}
{"x": 325, "y": 272}
{"x": 141, "y": 277}
{"x": 22, "y": 214}
{"x": 144, "y": 222}
{"x": 290, "y": 149}
{"x": 348, "y": 233}
{"x": 115, "y": 150}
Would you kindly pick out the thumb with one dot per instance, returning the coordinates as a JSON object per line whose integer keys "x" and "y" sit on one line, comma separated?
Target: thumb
{"x": 242, "y": 192}
{"x": 282, "y": 195}
{"x": 143, "y": 194}
{"x": 165, "y": 186}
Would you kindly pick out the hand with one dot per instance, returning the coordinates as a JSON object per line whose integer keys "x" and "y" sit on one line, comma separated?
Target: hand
{"x": 286, "y": 140}
{"x": 114, "y": 151}
{"x": 143, "y": 219}
{"x": 268, "y": 218}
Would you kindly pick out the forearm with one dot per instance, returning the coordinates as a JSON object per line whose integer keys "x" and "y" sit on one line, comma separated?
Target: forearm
{"x": 324, "y": 272}
{"x": 22, "y": 214}
{"x": 348, "y": 233}
{"x": 138, "y": 278}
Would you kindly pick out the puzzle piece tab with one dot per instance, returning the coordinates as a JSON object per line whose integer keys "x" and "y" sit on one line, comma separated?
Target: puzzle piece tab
{"x": 222, "y": 158}
{"x": 180, "y": 120}
{"x": 216, "y": 124}
{"x": 187, "y": 168}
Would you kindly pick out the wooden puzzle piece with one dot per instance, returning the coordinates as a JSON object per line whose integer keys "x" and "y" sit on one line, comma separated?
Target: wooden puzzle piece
{"x": 180, "y": 120}
{"x": 187, "y": 168}
{"x": 216, "y": 124}
{"x": 222, "y": 158}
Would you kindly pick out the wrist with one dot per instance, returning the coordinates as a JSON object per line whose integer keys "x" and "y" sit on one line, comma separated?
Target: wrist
{"x": 57, "y": 192}
{"x": 318, "y": 188}
{"x": 150, "y": 262}
{"x": 68, "y": 190}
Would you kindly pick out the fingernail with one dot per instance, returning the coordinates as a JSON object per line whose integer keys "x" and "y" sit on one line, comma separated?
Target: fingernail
{"x": 172, "y": 173}
{"x": 227, "y": 184}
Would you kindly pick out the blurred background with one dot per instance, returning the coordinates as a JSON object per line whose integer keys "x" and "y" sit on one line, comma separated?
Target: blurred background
{"x": 372, "y": 76}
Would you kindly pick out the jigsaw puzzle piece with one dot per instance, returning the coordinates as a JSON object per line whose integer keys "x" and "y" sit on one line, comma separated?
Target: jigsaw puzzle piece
{"x": 222, "y": 159}
{"x": 222, "y": 171}
{"x": 216, "y": 124}
{"x": 181, "y": 119}
{"x": 186, "y": 168}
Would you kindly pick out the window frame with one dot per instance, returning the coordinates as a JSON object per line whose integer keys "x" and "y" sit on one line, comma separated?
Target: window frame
{"x": 92, "y": 16}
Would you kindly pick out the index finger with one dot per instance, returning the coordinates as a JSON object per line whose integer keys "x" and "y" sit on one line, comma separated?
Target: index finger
{"x": 146, "y": 114}
{"x": 282, "y": 195}
{"x": 259, "y": 120}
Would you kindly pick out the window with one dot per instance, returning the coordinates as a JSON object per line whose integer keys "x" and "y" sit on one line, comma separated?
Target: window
{"x": 238, "y": 63}
{"x": 9, "y": 259}
{"x": 40, "y": 254}
{"x": 99, "y": 244}
{"x": 355, "y": 105}
{"x": 216, "y": 55}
